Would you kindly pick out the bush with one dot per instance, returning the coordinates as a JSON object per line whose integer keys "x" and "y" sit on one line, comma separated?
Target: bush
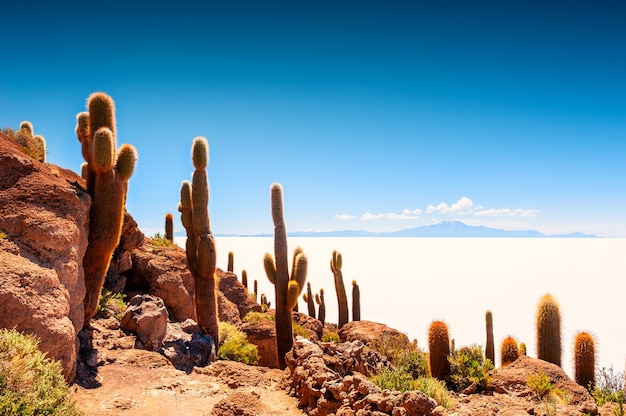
{"x": 331, "y": 337}
{"x": 111, "y": 304}
{"x": 30, "y": 383}
{"x": 468, "y": 367}
{"x": 300, "y": 331}
{"x": 234, "y": 345}
{"x": 608, "y": 386}
{"x": 254, "y": 317}
{"x": 399, "y": 380}
{"x": 159, "y": 240}
{"x": 394, "y": 347}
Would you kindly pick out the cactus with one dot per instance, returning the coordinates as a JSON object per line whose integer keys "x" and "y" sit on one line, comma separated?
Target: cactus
{"x": 356, "y": 302}
{"x": 439, "y": 347}
{"x": 265, "y": 305}
{"x": 27, "y": 128}
{"x": 169, "y": 227}
{"x": 522, "y": 349}
{"x": 39, "y": 148}
{"x": 549, "y": 330}
{"x": 321, "y": 307}
{"x": 287, "y": 288}
{"x": 490, "y": 352}
{"x": 231, "y": 262}
{"x": 585, "y": 360}
{"x": 108, "y": 187}
{"x": 342, "y": 299}
{"x": 200, "y": 248}
{"x": 310, "y": 302}
{"x": 452, "y": 348}
{"x": 256, "y": 290}
{"x": 244, "y": 278}
{"x": 508, "y": 351}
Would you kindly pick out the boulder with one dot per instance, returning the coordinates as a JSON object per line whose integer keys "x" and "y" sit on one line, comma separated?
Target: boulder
{"x": 45, "y": 215}
{"x": 187, "y": 347}
{"x": 263, "y": 334}
{"x": 227, "y": 311}
{"x": 146, "y": 316}
{"x": 312, "y": 325}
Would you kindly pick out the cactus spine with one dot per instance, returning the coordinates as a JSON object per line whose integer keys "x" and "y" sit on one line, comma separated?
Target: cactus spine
{"x": 584, "y": 360}
{"x": 321, "y": 307}
{"x": 508, "y": 351}
{"x": 231, "y": 262}
{"x": 169, "y": 227}
{"x": 287, "y": 288}
{"x": 107, "y": 184}
{"x": 356, "y": 302}
{"x": 310, "y": 302}
{"x": 342, "y": 299}
{"x": 200, "y": 248}
{"x": 439, "y": 347}
{"x": 549, "y": 330}
{"x": 490, "y": 352}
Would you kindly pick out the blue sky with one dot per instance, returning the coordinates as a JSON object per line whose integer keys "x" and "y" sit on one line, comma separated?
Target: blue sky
{"x": 373, "y": 115}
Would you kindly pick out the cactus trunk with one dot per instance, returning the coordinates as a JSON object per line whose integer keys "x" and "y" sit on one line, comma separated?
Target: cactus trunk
{"x": 490, "y": 349}
{"x": 169, "y": 227}
{"x": 439, "y": 350}
{"x": 342, "y": 298}
{"x": 549, "y": 330}
{"x": 356, "y": 301}
{"x": 585, "y": 360}
{"x": 509, "y": 351}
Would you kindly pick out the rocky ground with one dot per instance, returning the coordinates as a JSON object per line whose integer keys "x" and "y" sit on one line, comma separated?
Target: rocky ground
{"x": 137, "y": 382}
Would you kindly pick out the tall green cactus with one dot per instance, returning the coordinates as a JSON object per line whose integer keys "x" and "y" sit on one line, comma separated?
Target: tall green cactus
{"x": 244, "y": 279}
{"x": 549, "y": 330}
{"x": 308, "y": 298}
{"x": 490, "y": 349}
{"x": 321, "y": 307}
{"x": 342, "y": 298}
{"x": 509, "y": 351}
{"x": 585, "y": 360}
{"x": 231, "y": 262}
{"x": 256, "y": 290}
{"x": 287, "y": 287}
{"x": 200, "y": 247}
{"x": 109, "y": 175}
{"x": 356, "y": 301}
{"x": 439, "y": 350}
{"x": 169, "y": 227}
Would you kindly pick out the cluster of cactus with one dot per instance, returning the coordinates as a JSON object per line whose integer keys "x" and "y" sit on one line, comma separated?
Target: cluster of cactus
{"x": 107, "y": 184}
{"x": 584, "y": 360}
{"x": 169, "y": 227}
{"x": 33, "y": 145}
{"x": 509, "y": 351}
{"x": 439, "y": 350}
{"x": 549, "y": 330}
{"x": 490, "y": 352}
{"x": 342, "y": 299}
{"x": 265, "y": 304}
{"x": 200, "y": 246}
{"x": 287, "y": 287}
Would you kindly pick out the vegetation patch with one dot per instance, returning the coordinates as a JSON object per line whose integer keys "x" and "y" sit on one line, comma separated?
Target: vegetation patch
{"x": 608, "y": 388}
{"x": 159, "y": 240}
{"x": 468, "y": 366}
{"x": 234, "y": 345}
{"x": 30, "y": 383}
{"x": 111, "y": 304}
{"x": 331, "y": 337}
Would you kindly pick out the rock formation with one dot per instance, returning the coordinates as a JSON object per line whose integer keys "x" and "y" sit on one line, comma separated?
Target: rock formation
{"x": 44, "y": 215}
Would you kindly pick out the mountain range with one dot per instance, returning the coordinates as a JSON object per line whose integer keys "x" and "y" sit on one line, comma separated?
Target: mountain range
{"x": 448, "y": 228}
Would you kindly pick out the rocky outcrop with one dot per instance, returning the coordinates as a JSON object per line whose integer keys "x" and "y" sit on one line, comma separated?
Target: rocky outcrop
{"x": 236, "y": 292}
{"x": 332, "y": 379}
{"x": 263, "y": 334}
{"x": 367, "y": 331}
{"x": 44, "y": 213}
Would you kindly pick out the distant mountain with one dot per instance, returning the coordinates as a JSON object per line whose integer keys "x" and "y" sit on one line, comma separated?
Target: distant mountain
{"x": 448, "y": 228}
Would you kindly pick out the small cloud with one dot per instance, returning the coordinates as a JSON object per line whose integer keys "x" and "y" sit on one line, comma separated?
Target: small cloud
{"x": 442, "y": 208}
{"x": 412, "y": 212}
{"x": 344, "y": 217}
{"x": 463, "y": 206}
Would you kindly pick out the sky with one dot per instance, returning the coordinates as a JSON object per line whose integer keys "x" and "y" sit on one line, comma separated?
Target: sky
{"x": 373, "y": 115}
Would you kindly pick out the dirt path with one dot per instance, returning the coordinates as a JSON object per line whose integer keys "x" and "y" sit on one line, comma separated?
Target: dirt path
{"x": 138, "y": 382}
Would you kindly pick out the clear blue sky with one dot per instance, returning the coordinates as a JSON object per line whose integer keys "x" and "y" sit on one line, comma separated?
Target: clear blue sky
{"x": 503, "y": 113}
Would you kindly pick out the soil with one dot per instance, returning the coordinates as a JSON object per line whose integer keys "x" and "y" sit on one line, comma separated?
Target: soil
{"x": 138, "y": 382}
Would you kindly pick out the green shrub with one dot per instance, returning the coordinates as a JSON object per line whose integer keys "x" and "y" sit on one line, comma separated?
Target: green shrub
{"x": 111, "y": 304}
{"x": 299, "y": 330}
{"x": 254, "y": 317}
{"x": 394, "y": 347}
{"x": 234, "y": 345}
{"x": 608, "y": 386}
{"x": 2, "y": 235}
{"x": 468, "y": 367}
{"x": 331, "y": 337}
{"x": 541, "y": 385}
{"x": 159, "y": 240}
{"x": 399, "y": 380}
{"x": 30, "y": 383}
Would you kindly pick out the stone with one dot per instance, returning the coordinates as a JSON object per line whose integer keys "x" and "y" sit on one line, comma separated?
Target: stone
{"x": 236, "y": 293}
{"x": 367, "y": 331}
{"x": 263, "y": 335}
{"x": 146, "y": 316}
